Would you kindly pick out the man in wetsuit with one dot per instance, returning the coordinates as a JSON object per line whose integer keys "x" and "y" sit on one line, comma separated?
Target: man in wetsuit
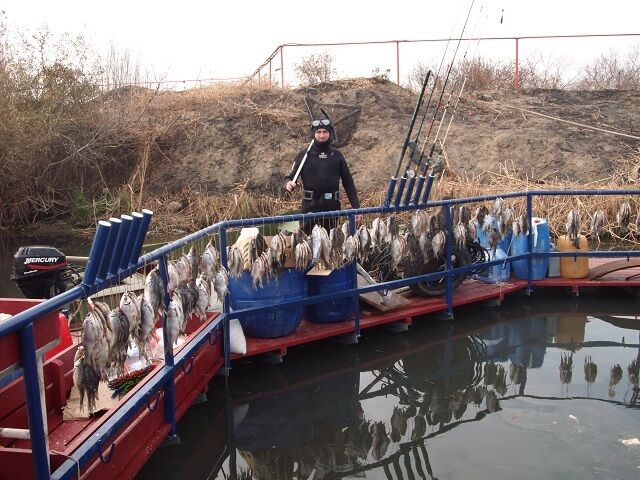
{"x": 321, "y": 174}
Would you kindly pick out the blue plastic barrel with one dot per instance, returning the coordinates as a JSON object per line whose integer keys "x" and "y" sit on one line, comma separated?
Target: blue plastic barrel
{"x": 497, "y": 273}
{"x": 279, "y": 322}
{"x": 333, "y": 311}
{"x": 541, "y": 244}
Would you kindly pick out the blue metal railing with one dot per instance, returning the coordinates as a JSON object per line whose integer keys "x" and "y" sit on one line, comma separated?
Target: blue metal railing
{"x": 106, "y": 268}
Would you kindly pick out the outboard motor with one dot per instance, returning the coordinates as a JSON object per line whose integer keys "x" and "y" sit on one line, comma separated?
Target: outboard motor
{"x": 42, "y": 271}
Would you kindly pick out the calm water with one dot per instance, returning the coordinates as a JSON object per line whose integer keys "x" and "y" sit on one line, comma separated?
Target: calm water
{"x": 525, "y": 390}
{"x": 490, "y": 395}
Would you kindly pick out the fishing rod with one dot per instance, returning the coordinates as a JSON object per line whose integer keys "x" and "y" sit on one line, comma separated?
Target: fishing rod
{"x": 412, "y": 173}
{"x": 430, "y": 179}
{"x": 394, "y": 178}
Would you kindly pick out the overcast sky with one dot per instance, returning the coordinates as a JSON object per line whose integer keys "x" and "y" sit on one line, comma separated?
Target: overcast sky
{"x": 215, "y": 39}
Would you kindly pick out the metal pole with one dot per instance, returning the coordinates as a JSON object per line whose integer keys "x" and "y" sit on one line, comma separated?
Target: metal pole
{"x": 281, "y": 66}
{"x": 448, "y": 281}
{"x": 517, "y": 72}
{"x": 34, "y": 389}
{"x": 530, "y": 242}
{"x": 225, "y": 304}
{"x": 170, "y": 385}
{"x": 398, "y": 63}
{"x": 354, "y": 279}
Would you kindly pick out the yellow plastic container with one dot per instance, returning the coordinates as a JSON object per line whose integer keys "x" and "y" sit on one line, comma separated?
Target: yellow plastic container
{"x": 573, "y": 267}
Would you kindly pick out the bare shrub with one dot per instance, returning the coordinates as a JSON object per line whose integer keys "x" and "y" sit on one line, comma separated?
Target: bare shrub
{"x": 539, "y": 72}
{"x": 316, "y": 68}
{"x": 610, "y": 71}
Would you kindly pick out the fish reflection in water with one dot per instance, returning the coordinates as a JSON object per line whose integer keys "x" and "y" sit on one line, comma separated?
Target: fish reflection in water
{"x": 590, "y": 373}
{"x": 616, "y": 376}
{"x": 566, "y": 371}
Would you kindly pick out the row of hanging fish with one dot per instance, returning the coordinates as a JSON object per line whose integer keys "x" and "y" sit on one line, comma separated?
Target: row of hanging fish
{"x": 107, "y": 333}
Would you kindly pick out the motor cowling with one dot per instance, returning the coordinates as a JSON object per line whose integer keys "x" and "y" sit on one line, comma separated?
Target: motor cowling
{"x": 38, "y": 271}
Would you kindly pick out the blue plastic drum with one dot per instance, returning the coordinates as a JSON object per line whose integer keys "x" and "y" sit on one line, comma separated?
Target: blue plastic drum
{"x": 337, "y": 310}
{"x": 279, "y": 322}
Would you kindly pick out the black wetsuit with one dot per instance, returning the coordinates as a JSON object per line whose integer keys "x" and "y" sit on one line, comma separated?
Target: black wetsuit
{"x": 321, "y": 174}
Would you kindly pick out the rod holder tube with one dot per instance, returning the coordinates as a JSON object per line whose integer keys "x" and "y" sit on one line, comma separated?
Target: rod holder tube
{"x": 131, "y": 239}
{"x": 123, "y": 232}
{"x": 95, "y": 255}
{"x": 390, "y": 190}
{"x": 427, "y": 190}
{"x": 140, "y": 236}
{"x": 408, "y": 191}
{"x": 401, "y": 184}
{"x": 107, "y": 253}
{"x": 418, "y": 191}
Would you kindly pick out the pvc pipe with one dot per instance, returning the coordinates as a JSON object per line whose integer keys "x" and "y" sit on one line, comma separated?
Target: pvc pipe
{"x": 131, "y": 239}
{"x": 93, "y": 264}
{"x": 20, "y": 433}
{"x": 401, "y": 185}
{"x": 140, "y": 236}
{"x": 409, "y": 190}
{"x": 123, "y": 232}
{"x": 390, "y": 189}
{"x": 107, "y": 252}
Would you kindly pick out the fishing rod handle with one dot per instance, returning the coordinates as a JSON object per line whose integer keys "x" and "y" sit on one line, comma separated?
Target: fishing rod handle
{"x": 295, "y": 177}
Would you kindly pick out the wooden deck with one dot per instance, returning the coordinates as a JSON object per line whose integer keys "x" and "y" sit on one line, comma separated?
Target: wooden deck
{"x": 471, "y": 291}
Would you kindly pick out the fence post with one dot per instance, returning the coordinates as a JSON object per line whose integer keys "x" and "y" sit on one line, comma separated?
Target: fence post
{"x": 398, "y": 63}
{"x": 282, "y": 66}
{"x": 448, "y": 265}
{"x": 516, "y": 76}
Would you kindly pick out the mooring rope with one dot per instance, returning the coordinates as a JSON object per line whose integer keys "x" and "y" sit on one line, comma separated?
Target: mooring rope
{"x": 570, "y": 122}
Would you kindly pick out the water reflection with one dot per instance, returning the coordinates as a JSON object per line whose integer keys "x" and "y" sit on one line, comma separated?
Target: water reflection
{"x": 392, "y": 406}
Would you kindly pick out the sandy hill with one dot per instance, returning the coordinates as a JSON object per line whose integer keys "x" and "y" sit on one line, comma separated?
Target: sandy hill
{"x": 212, "y": 139}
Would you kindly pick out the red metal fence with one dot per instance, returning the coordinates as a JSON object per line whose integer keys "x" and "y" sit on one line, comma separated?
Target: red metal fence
{"x": 277, "y": 69}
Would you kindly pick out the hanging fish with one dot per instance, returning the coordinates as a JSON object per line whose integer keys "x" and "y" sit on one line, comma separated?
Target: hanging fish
{"x": 302, "y": 255}
{"x": 426, "y": 246}
{"x": 203, "y": 284}
{"x": 130, "y": 306}
{"x": 345, "y": 229}
{"x": 378, "y": 233}
{"x": 188, "y": 293}
{"x": 194, "y": 260}
{"x": 210, "y": 259}
{"x": 336, "y": 246}
{"x": 96, "y": 338}
{"x": 523, "y": 224}
{"x": 351, "y": 248}
{"x": 623, "y": 216}
{"x": 438, "y": 243}
{"x": 173, "y": 277}
{"x": 505, "y": 221}
{"x": 221, "y": 281}
{"x": 460, "y": 236}
{"x": 419, "y": 222}
{"x": 183, "y": 264}
{"x": 278, "y": 252}
{"x": 398, "y": 249}
{"x": 86, "y": 379}
{"x": 498, "y": 205}
{"x": 119, "y": 340}
{"x": 393, "y": 227}
{"x": 365, "y": 243}
{"x": 573, "y": 227}
{"x": 143, "y": 334}
{"x": 175, "y": 319}
{"x": 481, "y": 212}
{"x": 259, "y": 270}
{"x": 493, "y": 239}
{"x": 235, "y": 261}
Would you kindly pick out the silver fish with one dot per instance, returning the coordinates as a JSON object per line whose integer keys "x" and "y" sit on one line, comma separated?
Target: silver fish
{"x": 221, "y": 283}
{"x": 487, "y": 224}
{"x": 302, "y": 255}
{"x": 194, "y": 260}
{"x": 624, "y": 216}
{"x": 393, "y": 227}
{"x": 351, "y": 248}
{"x": 378, "y": 233}
{"x": 336, "y": 246}
{"x": 210, "y": 259}
{"x": 497, "y": 207}
{"x": 523, "y": 224}
{"x": 130, "y": 306}
{"x": 481, "y": 211}
{"x": 437, "y": 243}
{"x": 320, "y": 246}
{"x": 278, "y": 252}
{"x": 119, "y": 342}
{"x": 398, "y": 249}
{"x": 203, "y": 284}
{"x": 144, "y": 332}
{"x": 364, "y": 238}
{"x": 505, "y": 222}
{"x": 175, "y": 319}
{"x": 298, "y": 237}
{"x": 235, "y": 261}
{"x": 465, "y": 214}
{"x": 184, "y": 267}
{"x": 259, "y": 270}
{"x": 188, "y": 293}
{"x": 345, "y": 229}
{"x": 96, "y": 338}
{"x": 419, "y": 222}
{"x": 86, "y": 379}
{"x": 597, "y": 223}
{"x": 573, "y": 227}
{"x": 173, "y": 277}
{"x": 493, "y": 238}
{"x": 460, "y": 235}
{"x": 515, "y": 228}
{"x": 471, "y": 229}
{"x": 426, "y": 246}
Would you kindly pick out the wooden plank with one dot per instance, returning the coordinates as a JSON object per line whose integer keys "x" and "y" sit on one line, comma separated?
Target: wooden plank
{"x": 374, "y": 298}
{"x": 613, "y": 266}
